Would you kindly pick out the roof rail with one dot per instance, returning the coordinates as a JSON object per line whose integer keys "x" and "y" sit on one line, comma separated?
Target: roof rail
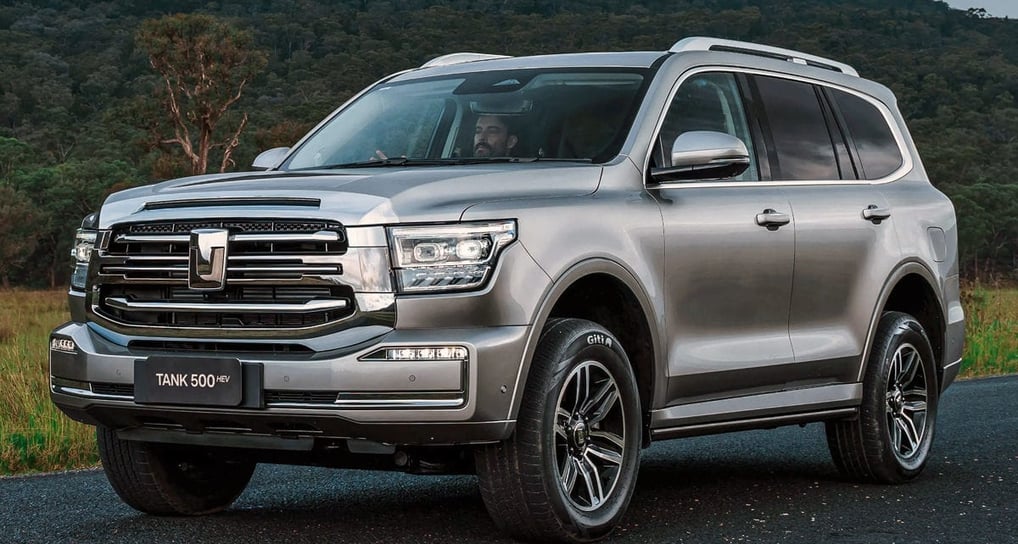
{"x": 459, "y": 58}
{"x": 700, "y": 43}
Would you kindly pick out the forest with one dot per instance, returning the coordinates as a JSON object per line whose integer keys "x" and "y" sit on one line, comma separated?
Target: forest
{"x": 81, "y": 112}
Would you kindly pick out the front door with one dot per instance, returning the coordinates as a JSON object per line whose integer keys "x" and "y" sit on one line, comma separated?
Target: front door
{"x": 729, "y": 253}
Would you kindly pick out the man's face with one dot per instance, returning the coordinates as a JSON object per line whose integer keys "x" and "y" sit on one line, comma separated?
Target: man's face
{"x": 491, "y": 138}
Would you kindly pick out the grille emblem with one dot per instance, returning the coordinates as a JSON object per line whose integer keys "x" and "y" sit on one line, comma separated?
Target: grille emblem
{"x": 206, "y": 268}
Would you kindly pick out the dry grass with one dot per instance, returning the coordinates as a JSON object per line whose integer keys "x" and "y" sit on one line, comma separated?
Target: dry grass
{"x": 34, "y": 434}
{"x": 991, "y": 331}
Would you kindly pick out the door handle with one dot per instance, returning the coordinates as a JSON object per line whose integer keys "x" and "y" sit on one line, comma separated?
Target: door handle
{"x": 772, "y": 219}
{"x": 876, "y": 214}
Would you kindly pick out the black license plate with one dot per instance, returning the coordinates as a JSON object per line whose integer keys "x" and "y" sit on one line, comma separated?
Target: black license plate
{"x": 202, "y": 381}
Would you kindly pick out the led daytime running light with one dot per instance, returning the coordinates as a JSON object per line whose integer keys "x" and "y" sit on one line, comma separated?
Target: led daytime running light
{"x": 65, "y": 345}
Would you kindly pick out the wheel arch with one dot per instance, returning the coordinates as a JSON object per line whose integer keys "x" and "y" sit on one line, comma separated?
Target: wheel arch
{"x": 626, "y": 311}
{"x": 912, "y": 289}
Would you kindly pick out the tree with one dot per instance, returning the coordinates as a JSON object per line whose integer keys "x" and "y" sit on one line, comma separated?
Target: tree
{"x": 204, "y": 65}
{"x": 18, "y": 231}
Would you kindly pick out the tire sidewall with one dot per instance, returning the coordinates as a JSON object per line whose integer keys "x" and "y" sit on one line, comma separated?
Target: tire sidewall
{"x": 592, "y": 343}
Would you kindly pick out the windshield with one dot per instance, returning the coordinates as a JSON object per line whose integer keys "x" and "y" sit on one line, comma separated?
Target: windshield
{"x": 507, "y": 116}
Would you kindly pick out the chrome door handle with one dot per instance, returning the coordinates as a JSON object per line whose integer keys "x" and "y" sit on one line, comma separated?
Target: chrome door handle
{"x": 772, "y": 219}
{"x": 876, "y": 214}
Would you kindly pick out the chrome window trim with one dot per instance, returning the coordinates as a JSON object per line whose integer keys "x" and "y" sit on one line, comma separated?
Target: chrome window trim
{"x": 907, "y": 164}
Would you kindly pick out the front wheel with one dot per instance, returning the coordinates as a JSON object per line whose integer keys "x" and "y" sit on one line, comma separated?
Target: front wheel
{"x": 164, "y": 479}
{"x": 569, "y": 470}
{"x": 890, "y": 441}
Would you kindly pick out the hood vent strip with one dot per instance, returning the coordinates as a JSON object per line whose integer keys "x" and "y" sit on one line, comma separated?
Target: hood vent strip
{"x": 220, "y": 202}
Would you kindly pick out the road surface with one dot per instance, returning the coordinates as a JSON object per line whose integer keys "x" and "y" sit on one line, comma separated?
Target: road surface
{"x": 760, "y": 486}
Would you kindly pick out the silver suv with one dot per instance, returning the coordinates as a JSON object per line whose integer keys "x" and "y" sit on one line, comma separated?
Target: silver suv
{"x": 528, "y": 268}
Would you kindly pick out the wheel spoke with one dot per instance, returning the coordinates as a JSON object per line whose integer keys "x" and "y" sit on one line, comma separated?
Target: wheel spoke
{"x": 593, "y": 479}
{"x": 569, "y": 475}
{"x": 895, "y": 371}
{"x": 895, "y": 432}
{"x": 608, "y": 455}
{"x": 562, "y": 422}
{"x": 602, "y": 403}
{"x": 908, "y": 429}
{"x": 612, "y": 438}
{"x": 590, "y": 480}
{"x": 915, "y": 406}
{"x": 911, "y": 368}
{"x": 582, "y": 388}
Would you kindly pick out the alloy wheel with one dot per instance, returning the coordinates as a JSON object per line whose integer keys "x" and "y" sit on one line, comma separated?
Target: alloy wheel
{"x": 590, "y": 436}
{"x": 906, "y": 402}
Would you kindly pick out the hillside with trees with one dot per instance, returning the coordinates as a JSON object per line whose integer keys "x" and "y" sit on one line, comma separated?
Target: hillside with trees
{"x": 83, "y": 106}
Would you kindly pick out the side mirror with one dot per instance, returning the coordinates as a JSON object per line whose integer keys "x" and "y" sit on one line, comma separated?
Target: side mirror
{"x": 270, "y": 158}
{"x": 704, "y": 154}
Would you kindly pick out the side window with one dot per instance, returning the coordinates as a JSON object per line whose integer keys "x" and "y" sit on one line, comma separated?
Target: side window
{"x": 708, "y": 101}
{"x": 875, "y": 146}
{"x": 801, "y": 141}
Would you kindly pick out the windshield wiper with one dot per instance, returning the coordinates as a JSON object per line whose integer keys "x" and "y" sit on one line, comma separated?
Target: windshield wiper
{"x": 397, "y": 161}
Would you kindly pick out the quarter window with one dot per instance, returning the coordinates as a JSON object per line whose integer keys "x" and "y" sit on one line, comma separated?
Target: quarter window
{"x": 875, "y": 145}
{"x": 802, "y": 148}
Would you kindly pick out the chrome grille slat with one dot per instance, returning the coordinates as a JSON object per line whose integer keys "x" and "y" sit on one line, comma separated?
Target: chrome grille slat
{"x": 234, "y": 269}
{"x": 298, "y": 269}
{"x": 321, "y": 236}
{"x": 218, "y": 307}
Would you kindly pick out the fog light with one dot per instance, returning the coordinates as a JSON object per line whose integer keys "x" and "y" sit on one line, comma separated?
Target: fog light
{"x": 414, "y": 353}
{"x": 63, "y": 344}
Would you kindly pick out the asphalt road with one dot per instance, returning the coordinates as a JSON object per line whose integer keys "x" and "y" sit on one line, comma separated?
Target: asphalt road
{"x": 760, "y": 486}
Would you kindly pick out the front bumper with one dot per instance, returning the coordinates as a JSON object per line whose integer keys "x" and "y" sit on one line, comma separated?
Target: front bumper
{"x": 322, "y": 395}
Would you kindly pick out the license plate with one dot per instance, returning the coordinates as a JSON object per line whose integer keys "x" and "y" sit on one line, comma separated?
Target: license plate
{"x": 203, "y": 381}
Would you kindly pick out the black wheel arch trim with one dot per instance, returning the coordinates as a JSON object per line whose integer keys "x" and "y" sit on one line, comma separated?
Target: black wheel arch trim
{"x": 554, "y": 292}
{"x": 903, "y": 269}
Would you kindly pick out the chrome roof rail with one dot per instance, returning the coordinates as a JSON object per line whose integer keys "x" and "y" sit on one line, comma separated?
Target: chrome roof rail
{"x": 700, "y": 43}
{"x": 460, "y": 58}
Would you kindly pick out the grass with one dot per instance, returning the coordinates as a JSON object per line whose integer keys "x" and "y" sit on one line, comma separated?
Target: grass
{"x": 35, "y": 436}
{"x": 991, "y": 331}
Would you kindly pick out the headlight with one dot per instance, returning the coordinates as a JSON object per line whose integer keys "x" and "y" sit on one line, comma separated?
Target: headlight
{"x": 447, "y": 257}
{"x": 84, "y": 241}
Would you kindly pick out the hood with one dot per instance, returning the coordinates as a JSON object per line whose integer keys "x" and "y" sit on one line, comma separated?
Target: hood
{"x": 365, "y": 196}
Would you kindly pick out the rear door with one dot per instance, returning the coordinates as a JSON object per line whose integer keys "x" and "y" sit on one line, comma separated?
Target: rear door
{"x": 845, "y": 243}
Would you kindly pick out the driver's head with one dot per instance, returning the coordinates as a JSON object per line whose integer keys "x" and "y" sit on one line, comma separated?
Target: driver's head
{"x": 493, "y": 137}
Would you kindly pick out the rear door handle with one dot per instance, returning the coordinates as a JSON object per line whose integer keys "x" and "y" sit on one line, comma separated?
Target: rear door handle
{"x": 876, "y": 214}
{"x": 772, "y": 219}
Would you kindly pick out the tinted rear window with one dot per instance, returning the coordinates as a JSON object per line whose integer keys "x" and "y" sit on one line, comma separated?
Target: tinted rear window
{"x": 875, "y": 145}
{"x": 798, "y": 127}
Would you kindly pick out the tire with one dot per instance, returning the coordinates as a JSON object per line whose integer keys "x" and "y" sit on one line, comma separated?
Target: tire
{"x": 568, "y": 471}
{"x": 890, "y": 440}
{"x": 170, "y": 480}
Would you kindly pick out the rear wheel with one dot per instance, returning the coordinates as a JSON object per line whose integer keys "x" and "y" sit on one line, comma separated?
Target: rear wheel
{"x": 170, "y": 480}
{"x": 569, "y": 470}
{"x": 890, "y": 441}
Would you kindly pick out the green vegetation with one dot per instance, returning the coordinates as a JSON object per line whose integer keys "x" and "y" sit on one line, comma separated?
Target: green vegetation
{"x": 34, "y": 434}
{"x": 991, "y": 337}
{"x": 82, "y": 104}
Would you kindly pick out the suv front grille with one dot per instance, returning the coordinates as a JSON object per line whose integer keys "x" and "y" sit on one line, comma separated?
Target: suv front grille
{"x": 279, "y": 274}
